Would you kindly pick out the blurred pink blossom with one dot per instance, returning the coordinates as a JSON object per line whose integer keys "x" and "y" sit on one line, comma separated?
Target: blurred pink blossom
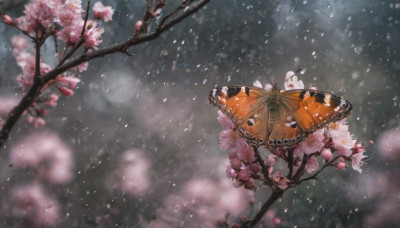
{"x": 132, "y": 175}
{"x": 102, "y": 12}
{"x": 7, "y": 104}
{"x": 51, "y": 158}
{"x": 312, "y": 164}
{"x": 201, "y": 203}
{"x": 20, "y": 45}
{"x": 389, "y": 144}
{"x": 32, "y": 204}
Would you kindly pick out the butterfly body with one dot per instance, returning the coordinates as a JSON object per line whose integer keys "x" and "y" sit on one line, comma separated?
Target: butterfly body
{"x": 278, "y": 118}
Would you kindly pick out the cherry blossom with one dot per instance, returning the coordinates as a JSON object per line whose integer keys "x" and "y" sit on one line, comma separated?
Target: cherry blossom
{"x": 102, "y": 12}
{"x": 47, "y": 154}
{"x": 33, "y": 204}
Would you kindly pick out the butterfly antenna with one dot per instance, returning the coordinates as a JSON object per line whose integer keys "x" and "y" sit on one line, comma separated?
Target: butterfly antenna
{"x": 262, "y": 69}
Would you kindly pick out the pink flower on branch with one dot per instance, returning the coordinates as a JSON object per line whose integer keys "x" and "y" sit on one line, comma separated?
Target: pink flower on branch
{"x": 39, "y": 16}
{"x": 7, "y": 19}
{"x": 102, "y": 12}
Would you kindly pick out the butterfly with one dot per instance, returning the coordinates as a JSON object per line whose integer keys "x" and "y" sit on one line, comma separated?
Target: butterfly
{"x": 278, "y": 119}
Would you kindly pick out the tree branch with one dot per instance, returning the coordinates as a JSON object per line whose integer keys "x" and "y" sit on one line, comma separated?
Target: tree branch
{"x": 33, "y": 92}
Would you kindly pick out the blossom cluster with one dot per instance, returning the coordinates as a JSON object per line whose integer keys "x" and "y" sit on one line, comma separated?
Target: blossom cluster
{"x": 333, "y": 143}
{"x": 63, "y": 20}
{"x": 52, "y": 162}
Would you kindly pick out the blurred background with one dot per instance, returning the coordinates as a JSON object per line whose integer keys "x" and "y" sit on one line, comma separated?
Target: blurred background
{"x": 137, "y": 145}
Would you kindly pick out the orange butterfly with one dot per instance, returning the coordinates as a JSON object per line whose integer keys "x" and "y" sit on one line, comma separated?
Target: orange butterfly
{"x": 278, "y": 119}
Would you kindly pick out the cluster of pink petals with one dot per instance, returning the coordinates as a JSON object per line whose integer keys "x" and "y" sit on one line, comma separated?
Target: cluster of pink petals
{"x": 39, "y": 16}
{"x": 42, "y": 15}
{"x": 66, "y": 84}
{"x": 26, "y": 61}
{"x": 47, "y": 154}
{"x": 102, "y": 12}
{"x": 32, "y": 204}
{"x": 92, "y": 35}
{"x": 389, "y": 144}
{"x": 133, "y": 173}
{"x": 243, "y": 163}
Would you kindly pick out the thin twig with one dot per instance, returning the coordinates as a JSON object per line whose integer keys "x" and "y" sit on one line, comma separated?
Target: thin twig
{"x": 313, "y": 177}
{"x": 290, "y": 163}
{"x": 264, "y": 168}
{"x": 272, "y": 198}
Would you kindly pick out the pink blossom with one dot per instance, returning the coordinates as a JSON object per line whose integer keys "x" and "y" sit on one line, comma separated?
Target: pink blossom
{"x": 258, "y": 84}
{"x": 271, "y": 159}
{"x": 292, "y": 82}
{"x": 342, "y": 141}
{"x": 225, "y": 121}
{"x": 226, "y": 139}
{"x": 312, "y": 164}
{"x": 102, "y": 12}
{"x": 230, "y": 172}
{"x": 81, "y": 67}
{"x": 7, "y": 19}
{"x": 138, "y": 25}
{"x": 255, "y": 168}
{"x": 28, "y": 64}
{"x": 52, "y": 100}
{"x": 244, "y": 175}
{"x": 70, "y": 81}
{"x": 92, "y": 35}
{"x": 31, "y": 203}
{"x": 341, "y": 166}
{"x": 20, "y": 45}
{"x": 314, "y": 143}
{"x": 47, "y": 154}
{"x": 7, "y": 104}
{"x": 236, "y": 164}
{"x": 245, "y": 151}
{"x": 37, "y": 121}
{"x": 71, "y": 34}
{"x": 70, "y": 13}
{"x": 65, "y": 91}
{"x": 389, "y": 144}
{"x": 133, "y": 173}
{"x": 39, "y": 14}
{"x": 326, "y": 154}
{"x": 270, "y": 219}
{"x": 356, "y": 161}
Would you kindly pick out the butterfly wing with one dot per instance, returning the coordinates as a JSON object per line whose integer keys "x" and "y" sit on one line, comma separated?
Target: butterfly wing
{"x": 246, "y": 107}
{"x": 313, "y": 109}
{"x": 285, "y": 131}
